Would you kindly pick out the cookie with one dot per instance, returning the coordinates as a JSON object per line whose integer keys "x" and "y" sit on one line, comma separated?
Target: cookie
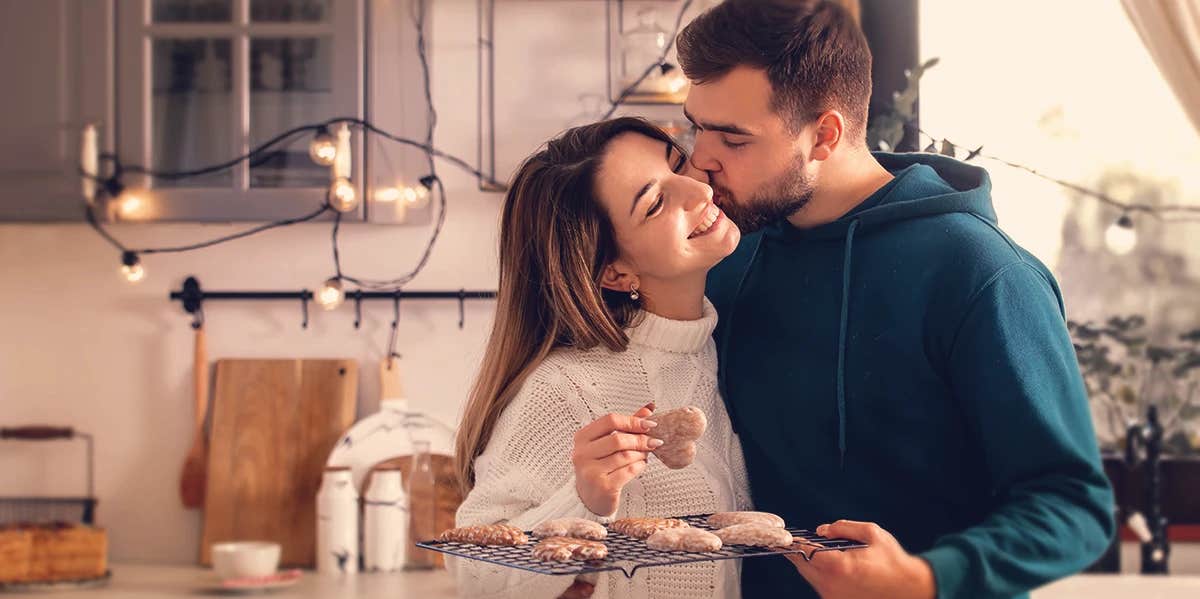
{"x": 723, "y": 519}
{"x": 577, "y": 528}
{"x": 684, "y": 539}
{"x": 563, "y": 549}
{"x": 640, "y": 528}
{"x": 757, "y": 535}
{"x": 678, "y": 430}
{"x": 485, "y": 534}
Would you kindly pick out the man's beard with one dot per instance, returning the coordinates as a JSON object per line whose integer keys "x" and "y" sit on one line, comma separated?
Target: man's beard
{"x": 777, "y": 200}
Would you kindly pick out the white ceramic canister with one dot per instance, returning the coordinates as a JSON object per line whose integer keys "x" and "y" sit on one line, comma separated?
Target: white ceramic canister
{"x": 337, "y": 523}
{"x": 385, "y": 521}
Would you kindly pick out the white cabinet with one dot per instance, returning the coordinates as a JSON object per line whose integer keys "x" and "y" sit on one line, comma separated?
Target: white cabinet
{"x": 178, "y": 84}
{"x": 57, "y": 77}
{"x": 201, "y": 81}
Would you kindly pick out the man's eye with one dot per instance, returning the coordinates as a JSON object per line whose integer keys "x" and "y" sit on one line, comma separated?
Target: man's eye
{"x": 658, "y": 202}
{"x": 730, "y": 144}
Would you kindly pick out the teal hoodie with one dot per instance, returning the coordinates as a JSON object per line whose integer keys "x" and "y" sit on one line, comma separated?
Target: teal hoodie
{"x": 909, "y": 365}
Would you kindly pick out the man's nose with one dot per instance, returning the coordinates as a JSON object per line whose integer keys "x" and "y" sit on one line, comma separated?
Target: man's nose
{"x": 703, "y": 159}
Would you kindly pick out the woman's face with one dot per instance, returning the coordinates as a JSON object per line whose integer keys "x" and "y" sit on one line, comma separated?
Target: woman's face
{"x": 665, "y": 222}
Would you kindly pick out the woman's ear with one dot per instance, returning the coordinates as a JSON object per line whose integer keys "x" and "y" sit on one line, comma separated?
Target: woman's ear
{"x": 615, "y": 277}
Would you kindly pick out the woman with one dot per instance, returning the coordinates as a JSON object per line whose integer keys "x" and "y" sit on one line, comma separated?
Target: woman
{"x": 601, "y": 319}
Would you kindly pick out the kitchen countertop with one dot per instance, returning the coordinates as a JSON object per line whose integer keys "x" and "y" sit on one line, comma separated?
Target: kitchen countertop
{"x": 134, "y": 581}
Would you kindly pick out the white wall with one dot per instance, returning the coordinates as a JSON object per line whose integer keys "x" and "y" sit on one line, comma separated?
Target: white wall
{"x": 86, "y": 349}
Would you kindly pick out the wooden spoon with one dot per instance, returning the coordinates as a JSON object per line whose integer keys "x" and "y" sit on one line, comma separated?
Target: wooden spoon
{"x": 195, "y": 467}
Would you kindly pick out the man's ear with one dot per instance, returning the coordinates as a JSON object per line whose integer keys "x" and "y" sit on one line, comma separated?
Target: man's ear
{"x": 827, "y": 135}
{"x": 617, "y": 277}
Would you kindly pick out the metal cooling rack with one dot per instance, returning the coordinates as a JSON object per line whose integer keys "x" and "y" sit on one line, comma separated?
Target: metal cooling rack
{"x": 629, "y": 554}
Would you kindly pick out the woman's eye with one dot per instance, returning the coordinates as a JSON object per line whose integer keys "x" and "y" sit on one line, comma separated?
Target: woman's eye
{"x": 658, "y": 202}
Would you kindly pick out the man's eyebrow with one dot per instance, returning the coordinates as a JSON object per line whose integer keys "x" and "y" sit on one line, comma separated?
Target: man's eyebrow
{"x": 722, "y": 127}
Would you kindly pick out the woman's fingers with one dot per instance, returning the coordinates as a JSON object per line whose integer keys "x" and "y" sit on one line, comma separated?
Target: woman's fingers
{"x": 621, "y": 476}
{"x": 613, "y": 422}
{"x": 644, "y": 411}
{"x": 614, "y": 442}
{"x": 618, "y": 461}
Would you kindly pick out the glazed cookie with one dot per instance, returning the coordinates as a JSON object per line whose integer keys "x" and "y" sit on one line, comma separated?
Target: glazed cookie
{"x": 486, "y": 534}
{"x": 640, "y": 528}
{"x": 678, "y": 430}
{"x": 563, "y": 549}
{"x": 684, "y": 539}
{"x": 578, "y": 528}
{"x": 757, "y": 535}
{"x": 723, "y": 519}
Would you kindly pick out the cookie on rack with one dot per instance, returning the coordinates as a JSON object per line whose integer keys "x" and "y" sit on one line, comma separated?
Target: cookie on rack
{"x": 755, "y": 534}
{"x": 641, "y": 528}
{"x": 684, "y": 539}
{"x": 678, "y": 429}
{"x": 723, "y": 519}
{"x": 578, "y": 528}
{"x": 486, "y": 534}
{"x": 564, "y": 549}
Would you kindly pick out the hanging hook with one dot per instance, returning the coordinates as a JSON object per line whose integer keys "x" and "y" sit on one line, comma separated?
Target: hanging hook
{"x": 391, "y": 351}
{"x": 462, "y": 296}
{"x": 198, "y": 317}
{"x": 304, "y": 295}
{"x": 357, "y": 308}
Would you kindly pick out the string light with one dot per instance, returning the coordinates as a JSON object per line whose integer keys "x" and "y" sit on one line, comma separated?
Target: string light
{"x": 130, "y": 205}
{"x": 331, "y": 295}
{"x": 342, "y": 195}
{"x": 1121, "y": 237}
{"x": 322, "y": 149}
{"x": 131, "y": 267}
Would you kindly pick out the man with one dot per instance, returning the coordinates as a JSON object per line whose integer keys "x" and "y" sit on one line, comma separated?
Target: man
{"x": 887, "y": 354}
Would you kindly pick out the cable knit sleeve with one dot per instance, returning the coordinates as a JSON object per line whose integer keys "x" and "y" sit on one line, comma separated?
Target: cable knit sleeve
{"x": 523, "y": 477}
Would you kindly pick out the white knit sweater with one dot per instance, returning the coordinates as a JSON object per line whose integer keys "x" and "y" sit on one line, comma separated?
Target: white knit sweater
{"x": 525, "y": 474}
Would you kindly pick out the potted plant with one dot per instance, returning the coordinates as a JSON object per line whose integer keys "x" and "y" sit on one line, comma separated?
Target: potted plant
{"x": 1124, "y": 374}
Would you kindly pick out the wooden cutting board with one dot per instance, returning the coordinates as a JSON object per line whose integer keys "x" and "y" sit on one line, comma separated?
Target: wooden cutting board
{"x": 274, "y": 423}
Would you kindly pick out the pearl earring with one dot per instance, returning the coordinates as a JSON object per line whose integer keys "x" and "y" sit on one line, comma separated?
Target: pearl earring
{"x": 633, "y": 294}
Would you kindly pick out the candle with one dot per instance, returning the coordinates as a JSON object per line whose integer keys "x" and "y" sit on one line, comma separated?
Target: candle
{"x": 342, "y": 163}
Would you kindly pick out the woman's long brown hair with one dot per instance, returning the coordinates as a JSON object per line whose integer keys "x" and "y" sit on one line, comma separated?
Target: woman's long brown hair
{"x": 555, "y": 240}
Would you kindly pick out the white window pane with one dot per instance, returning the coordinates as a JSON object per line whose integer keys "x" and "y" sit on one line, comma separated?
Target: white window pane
{"x": 289, "y": 11}
{"x": 193, "y": 108}
{"x": 290, "y": 85}
{"x": 193, "y": 11}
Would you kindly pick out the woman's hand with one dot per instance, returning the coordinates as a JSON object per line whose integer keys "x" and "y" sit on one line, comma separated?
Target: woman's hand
{"x": 608, "y": 453}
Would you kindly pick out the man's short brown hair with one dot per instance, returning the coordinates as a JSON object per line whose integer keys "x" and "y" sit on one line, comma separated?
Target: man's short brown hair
{"x": 815, "y": 56}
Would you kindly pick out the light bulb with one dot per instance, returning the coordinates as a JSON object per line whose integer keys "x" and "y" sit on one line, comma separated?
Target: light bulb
{"x": 322, "y": 149}
{"x": 342, "y": 196}
{"x": 130, "y": 205}
{"x": 131, "y": 267}
{"x": 331, "y": 295}
{"x": 387, "y": 194}
{"x": 1121, "y": 236}
{"x": 676, "y": 81}
{"x": 416, "y": 196}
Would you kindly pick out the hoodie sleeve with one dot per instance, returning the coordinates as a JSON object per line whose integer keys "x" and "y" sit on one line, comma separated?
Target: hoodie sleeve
{"x": 1014, "y": 372}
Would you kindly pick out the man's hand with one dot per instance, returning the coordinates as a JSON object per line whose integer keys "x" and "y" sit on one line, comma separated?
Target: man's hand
{"x": 884, "y": 569}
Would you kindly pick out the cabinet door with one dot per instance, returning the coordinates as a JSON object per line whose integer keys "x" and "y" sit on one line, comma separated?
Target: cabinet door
{"x": 56, "y": 78}
{"x": 202, "y": 81}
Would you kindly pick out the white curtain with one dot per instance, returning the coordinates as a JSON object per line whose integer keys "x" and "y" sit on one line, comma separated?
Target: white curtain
{"x": 1170, "y": 29}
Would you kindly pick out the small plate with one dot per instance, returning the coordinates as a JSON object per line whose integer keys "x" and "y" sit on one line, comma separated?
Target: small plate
{"x": 240, "y": 586}
{"x": 56, "y": 586}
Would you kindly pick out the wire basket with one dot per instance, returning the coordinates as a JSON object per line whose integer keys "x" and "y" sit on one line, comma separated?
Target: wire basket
{"x": 628, "y": 554}
{"x": 43, "y": 510}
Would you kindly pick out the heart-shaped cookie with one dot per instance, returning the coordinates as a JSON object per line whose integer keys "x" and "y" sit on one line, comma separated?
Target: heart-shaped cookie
{"x": 678, "y": 429}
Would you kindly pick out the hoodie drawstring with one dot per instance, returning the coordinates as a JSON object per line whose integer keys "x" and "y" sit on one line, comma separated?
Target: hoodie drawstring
{"x": 841, "y": 367}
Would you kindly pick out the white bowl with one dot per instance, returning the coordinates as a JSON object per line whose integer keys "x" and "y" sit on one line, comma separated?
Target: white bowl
{"x": 245, "y": 559}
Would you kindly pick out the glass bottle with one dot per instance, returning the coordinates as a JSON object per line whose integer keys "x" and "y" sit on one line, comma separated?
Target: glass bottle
{"x": 421, "y": 491}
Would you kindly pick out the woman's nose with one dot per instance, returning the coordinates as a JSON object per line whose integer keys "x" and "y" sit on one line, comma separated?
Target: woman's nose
{"x": 692, "y": 193}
